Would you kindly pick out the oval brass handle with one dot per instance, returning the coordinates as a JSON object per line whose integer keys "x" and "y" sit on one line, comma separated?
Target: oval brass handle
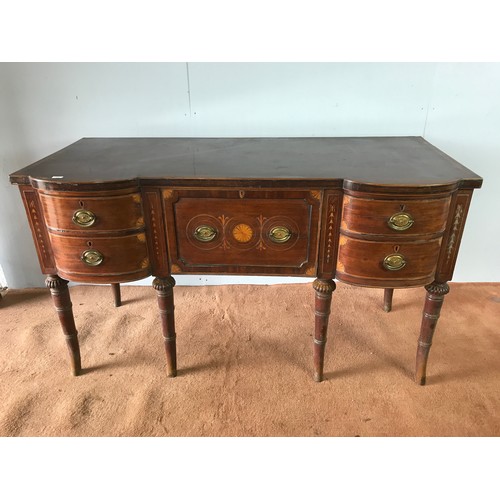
{"x": 205, "y": 233}
{"x": 92, "y": 257}
{"x": 84, "y": 218}
{"x": 394, "y": 262}
{"x": 400, "y": 221}
{"x": 280, "y": 234}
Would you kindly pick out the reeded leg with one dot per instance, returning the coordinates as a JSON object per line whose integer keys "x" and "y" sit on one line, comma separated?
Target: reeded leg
{"x": 323, "y": 299}
{"x": 165, "y": 291}
{"x": 388, "y": 299}
{"x": 116, "y": 294}
{"x": 60, "y": 295}
{"x": 433, "y": 302}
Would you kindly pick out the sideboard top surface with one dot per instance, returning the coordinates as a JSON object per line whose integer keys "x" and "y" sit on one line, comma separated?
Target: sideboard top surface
{"x": 379, "y": 160}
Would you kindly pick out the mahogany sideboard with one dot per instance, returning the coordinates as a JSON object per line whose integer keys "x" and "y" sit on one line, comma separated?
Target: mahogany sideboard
{"x": 384, "y": 212}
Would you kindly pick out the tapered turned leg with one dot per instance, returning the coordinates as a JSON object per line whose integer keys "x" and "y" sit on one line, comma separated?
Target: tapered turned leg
{"x": 388, "y": 299}
{"x": 60, "y": 295}
{"x": 433, "y": 302}
{"x": 116, "y": 294}
{"x": 165, "y": 291}
{"x": 323, "y": 299}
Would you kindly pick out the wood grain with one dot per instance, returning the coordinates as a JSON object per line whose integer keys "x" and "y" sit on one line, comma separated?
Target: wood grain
{"x": 396, "y": 161}
{"x": 154, "y": 216}
{"x": 120, "y": 212}
{"x": 125, "y": 258}
{"x": 330, "y": 221}
{"x": 368, "y": 216}
{"x": 259, "y": 212}
{"x": 62, "y": 302}
{"x": 294, "y": 207}
{"x": 39, "y": 232}
{"x": 322, "y": 301}
{"x": 165, "y": 294}
{"x": 433, "y": 302}
{"x": 451, "y": 241}
{"x": 360, "y": 262}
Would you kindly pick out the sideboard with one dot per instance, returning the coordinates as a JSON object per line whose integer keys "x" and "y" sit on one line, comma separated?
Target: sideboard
{"x": 384, "y": 212}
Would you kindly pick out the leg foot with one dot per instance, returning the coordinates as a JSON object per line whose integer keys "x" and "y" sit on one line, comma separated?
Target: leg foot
{"x": 388, "y": 299}
{"x": 60, "y": 295}
{"x": 165, "y": 291}
{"x": 323, "y": 299}
{"x": 116, "y": 294}
{"x": 433, "y": 302}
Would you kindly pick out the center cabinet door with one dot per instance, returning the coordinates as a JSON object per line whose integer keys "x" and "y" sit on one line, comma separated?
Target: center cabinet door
{"x": 243, "y": 231}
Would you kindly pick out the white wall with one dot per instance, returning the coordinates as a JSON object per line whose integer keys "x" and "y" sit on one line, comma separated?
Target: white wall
{"x": 3, "y": 280}
{"x": 464, "y": 121}
{"x": 44, "y": 107}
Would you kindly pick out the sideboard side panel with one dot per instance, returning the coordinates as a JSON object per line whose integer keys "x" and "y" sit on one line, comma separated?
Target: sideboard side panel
{"x": 36, "y": 221}
{"x": 330, "y": 217}
{"x": 156, "y": 233}
{"x": 454, "y": 229}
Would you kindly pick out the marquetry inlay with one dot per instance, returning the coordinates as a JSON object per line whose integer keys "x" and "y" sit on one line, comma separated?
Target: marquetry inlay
{"x": 154, "y": 216}
{"x": 38, "y": 228}
{"x": 224, "y": 220}
{"x": 330, "y": 228}
{"x": 251, "y": 232}
{"x": 154, "y": 231}
{"x": 310, "y": 271}
{"x": 175, "y": 268}
{"x": 454, "y": 231}
{"x": 242, "y": 233}
{"x": 261, "y": 246}
{"x": 313, "y": 207}
{"x": 35, "y": 217}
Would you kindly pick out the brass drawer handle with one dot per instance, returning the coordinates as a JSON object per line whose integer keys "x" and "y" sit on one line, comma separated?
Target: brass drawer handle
{"x": 280, "y": 234}
{"x": 84, "y": 218}
{"x": 92, "y": 257}
{"x": 400, "y": 221}
{"x": 205, "y": 233}
{"x": 394, "y": 262}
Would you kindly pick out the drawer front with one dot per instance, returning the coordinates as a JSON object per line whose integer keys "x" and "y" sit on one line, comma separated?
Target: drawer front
{"x": 88, "y": 213}
{"x": 101, "y": 259}
{"x": 398, "y": 217}
{"x": 387, "y": 264}
{"x": 240, "y": 232}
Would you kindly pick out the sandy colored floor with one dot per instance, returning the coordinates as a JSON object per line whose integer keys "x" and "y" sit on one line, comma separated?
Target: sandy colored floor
{"x": 245, "y": 365}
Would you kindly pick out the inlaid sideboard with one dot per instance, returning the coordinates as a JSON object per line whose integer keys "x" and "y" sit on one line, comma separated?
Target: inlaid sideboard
{"x": 384, "y": 212}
